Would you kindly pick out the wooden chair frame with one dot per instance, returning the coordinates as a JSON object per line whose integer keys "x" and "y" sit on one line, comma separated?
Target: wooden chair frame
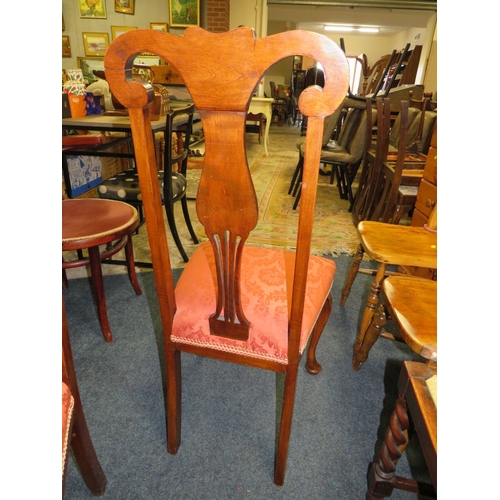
{"x": 221, "y": 84}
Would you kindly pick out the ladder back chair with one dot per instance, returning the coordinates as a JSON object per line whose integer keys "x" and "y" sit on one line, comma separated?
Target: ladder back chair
{"x": 234, "y": 302}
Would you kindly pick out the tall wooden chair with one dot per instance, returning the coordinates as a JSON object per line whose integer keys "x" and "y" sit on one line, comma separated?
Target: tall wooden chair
{"x": 75, "y": 433}
{"x": 234, "y": 302}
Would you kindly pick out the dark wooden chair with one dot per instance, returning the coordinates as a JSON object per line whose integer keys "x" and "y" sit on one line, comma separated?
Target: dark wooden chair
{"x": 172, "y": 178}
{"x": 234, "y": 302}
{"x": 387, "y": 244}
{"x": 91, "y": 223}
{"x": 343, "y": 155}
{"x": 75, "y": 433}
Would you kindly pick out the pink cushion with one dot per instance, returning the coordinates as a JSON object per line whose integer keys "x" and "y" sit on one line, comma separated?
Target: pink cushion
{"x": 267, "y": 277}
{"x": 67, "y": 412}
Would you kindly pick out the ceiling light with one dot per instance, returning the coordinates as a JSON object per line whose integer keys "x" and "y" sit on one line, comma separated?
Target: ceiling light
{"x": 338, "y": 28}
{"x": 332, "y": 27}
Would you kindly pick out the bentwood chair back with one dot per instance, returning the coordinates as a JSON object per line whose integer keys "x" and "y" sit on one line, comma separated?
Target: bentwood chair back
{"x": 234, "y": 302}
{"x": 172, "y": 178}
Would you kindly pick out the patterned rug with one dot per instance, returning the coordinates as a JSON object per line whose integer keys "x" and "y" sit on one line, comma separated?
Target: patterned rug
{"x": 333, "y": 232}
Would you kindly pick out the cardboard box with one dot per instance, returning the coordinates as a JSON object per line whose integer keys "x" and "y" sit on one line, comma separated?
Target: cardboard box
{"x": 87, "y": 172}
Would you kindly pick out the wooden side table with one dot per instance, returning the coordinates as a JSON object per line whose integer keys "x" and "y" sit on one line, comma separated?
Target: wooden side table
{"x": 417, "y": 387}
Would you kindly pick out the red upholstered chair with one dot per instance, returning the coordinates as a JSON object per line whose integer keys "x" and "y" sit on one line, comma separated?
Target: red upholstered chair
{"x": 91, "y": 223}
{"x": 234, "y": 302}
{"x": 75, "y": 433}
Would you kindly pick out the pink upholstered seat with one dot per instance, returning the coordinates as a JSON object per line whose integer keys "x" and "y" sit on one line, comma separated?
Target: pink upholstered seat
{"x": 267, "y": 281}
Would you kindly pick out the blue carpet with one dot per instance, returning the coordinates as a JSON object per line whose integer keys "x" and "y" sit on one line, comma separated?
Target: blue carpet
{"x": 229, "y": 411}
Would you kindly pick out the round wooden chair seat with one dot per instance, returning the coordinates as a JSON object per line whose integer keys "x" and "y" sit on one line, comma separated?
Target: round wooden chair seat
{"x": 89, "y": 223}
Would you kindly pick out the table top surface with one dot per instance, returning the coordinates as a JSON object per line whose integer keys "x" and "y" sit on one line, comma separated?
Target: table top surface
{"x": 262, "y": 99}
{"x": 119, "y": 123}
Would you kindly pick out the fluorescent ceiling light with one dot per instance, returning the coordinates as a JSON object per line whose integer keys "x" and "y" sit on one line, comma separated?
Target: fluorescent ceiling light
{"x": 332, "y": 27}
{"x": 368, "y": 30}
{"x": 338, "y": 28}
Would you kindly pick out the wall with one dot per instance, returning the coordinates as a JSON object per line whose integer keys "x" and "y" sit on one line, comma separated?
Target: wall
{"x": 155, "y": 11}
{"x": 214, "y": 16}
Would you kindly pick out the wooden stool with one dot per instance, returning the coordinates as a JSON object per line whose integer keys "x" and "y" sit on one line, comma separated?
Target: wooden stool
{"x": 88, "y": 223}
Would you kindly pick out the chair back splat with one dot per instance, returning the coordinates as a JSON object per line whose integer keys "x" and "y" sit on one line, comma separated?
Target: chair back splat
{"x": 214, "y": 313}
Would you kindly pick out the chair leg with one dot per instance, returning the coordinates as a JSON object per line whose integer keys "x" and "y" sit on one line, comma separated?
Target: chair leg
{"x": 174, "y": 398}
{"x": 169, "y": 209}
{"x": 129, "y": 258}
{"x": 286, "y": 423}
{"x": 187, "y": 219}
{"x": 298, "y": 168}
{"x": 298, "y": 181}
{"x": 81, "y": 442}
{"x": 98, "y": 286}
{"x": 371, "y": 304}
{"x": 312, "y": 365}
{"x": 297, "y": 199}
{"x": 373, "y": 332}
{"x": 351, "y": 276}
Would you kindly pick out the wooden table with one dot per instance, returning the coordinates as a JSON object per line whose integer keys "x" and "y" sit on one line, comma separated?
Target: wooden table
{"x": 111, "y": 123}
{"x": 417, "y": 389}
{"x": 263, "y": 105}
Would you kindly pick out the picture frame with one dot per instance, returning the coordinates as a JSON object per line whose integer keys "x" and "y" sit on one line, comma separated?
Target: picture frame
{"x": 125, "y": 6}
{"x": 116, "y": 31}
{"x": 92, "y": 9}
{"x": 95, "y": 44}
{"x": 159, "y": 27}
{"x": 88, "y": 65}
{"x": 66, "y": 47}
{"x": 187, "y": 15}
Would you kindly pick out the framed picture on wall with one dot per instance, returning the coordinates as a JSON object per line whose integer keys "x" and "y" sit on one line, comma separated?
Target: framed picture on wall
{"x": 66, "y": 47}
{"x": 125, "y": 6}
{"x": 159, "y": 27}
{"x": 88, "y": 65}
{"x": 119, "y": 30}
{"x": 95, "y": 44}
{"x": 92, "y": 9}
{"x": 184, "y": 14}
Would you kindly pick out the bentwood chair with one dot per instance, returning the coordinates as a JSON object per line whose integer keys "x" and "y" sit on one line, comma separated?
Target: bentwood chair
{"x": 234, "y": 302}
{"x": 387, "y": 244}
{"x": 75, "y": 433}
{"x": 172, "y": 180}
{"x": 102, "y": 228}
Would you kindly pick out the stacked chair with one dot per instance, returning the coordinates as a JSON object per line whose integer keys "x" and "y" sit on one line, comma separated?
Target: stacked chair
{"x": 345, "y": 154}
{"x": 248, "y": 305}
{"x": 407, "y": 139}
